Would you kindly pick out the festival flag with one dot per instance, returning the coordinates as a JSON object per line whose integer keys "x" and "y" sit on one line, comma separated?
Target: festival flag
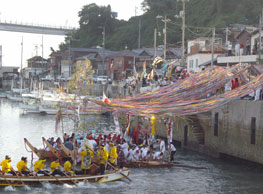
{"x": 105, "y": 98}
{"x": 58, "y": 118}
{"x": 144, "y": 70}
{"x": 126, "y": 135}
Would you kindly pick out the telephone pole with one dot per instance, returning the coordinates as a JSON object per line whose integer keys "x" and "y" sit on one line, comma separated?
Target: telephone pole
{"x": 165, "y": 37}
{"x": 183, "y": 31}
{"x": 260, "y": 31}
{"x": 154, "y": 45}
{"x": 213, "y": 49}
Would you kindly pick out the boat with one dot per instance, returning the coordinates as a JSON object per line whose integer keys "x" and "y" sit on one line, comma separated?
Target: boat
{"x": 113, "y": 175}
{"x": 46, "y": 154}
{"x": 148, "y": 164}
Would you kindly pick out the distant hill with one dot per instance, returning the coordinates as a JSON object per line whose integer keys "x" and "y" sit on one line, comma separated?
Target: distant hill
{"x": 199, "y": 14}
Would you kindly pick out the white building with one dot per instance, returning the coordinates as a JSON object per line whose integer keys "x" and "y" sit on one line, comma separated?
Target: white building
{"x": 199, "y": 52}
{"x": 1, "y": 58}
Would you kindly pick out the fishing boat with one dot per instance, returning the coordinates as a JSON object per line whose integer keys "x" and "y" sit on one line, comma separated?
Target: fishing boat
{"x": 148, "y": 164}
{"x": 47, "y": 154}
{"x": 113, "y": 175}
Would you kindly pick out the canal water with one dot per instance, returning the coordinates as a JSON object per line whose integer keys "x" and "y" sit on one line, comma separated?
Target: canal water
{"x": 219, "y": 177}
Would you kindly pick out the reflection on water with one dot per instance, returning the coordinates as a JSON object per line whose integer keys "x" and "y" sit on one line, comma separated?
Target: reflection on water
{"x": 220, "y": 177}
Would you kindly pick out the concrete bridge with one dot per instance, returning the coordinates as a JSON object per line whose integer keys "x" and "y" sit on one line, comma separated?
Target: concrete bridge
{"x": 35, "y": 29}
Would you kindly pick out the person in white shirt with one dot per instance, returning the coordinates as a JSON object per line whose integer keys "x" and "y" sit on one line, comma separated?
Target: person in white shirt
{"x": 125, "y": 148}
{"x": 107, "y": 146}
{"x": 162, "y": 145}
{"x": 173, "y": 151}
{"x": 144, "y": 151}
{"x": 129, "y": 156}
{"x": 158, "y": 156}
{"x": 136, "y": 155}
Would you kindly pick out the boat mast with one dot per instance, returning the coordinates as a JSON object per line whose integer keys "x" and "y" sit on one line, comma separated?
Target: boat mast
{"x": 21, "y": 67}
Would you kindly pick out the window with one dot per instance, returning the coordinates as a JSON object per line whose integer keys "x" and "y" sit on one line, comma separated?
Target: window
{"x": 118, "y": 64}
{"x": 216, "y": 125}
{"x": 196, "y": 63}
{"x": 253, "y": 131}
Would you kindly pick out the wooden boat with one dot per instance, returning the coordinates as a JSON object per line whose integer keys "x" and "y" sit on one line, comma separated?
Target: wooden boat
{"x": 148, "y": 164}
{"x": 44, "y": 154}
{"x": 9, "y": 180}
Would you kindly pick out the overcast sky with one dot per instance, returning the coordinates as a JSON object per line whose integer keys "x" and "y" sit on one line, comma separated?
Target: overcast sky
{"x": 48, "y": 12}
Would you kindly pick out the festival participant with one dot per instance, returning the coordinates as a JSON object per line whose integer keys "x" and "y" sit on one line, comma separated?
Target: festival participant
{"x": 162, "y": 145}
{"x": 39, "y": 167}
{"x": 51, "y": 141}
{"x": 125, "y": 148}
{"x": 173, "y": 151}
{"x": 68, "y": 144}
{"x": 113, "y": 154}
{"x": 107, "y": 146}
{"x": 130, "y": 153}
{"x": 92, "y": 143}
{"x": 136, "y": 155}
{"x": 22, "y": 166}
{"x": 65, "y": 137}
{"x": 144, "y": 151}
{"x": 67, "y": 167}
{"x": 86, "y": 158}
{"x": 103, "y": 154}
{"x": 121, "y": 157}
{"x": 57, "y": 144}
{"x": 6, "y": 166}
{"x": 158, "y": 156}
{"x": 55, "y": 168}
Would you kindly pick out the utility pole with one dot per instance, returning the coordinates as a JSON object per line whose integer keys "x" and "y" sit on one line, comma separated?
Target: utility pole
{"x": 42, "y": 45}
{"x": 69, "y": 57}
{"x": 139, "y": 41}
{"x": 183, "y": 32}
{"x": 165, "y": 37}
{"x": 154, "y": 45}
{"x": 212, "y": 49}
{"x": 260, "y": 31}
{"x": 226, "y": 37}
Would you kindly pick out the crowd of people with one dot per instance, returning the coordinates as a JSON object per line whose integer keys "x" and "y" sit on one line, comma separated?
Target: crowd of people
{"x": 107, "y": 151}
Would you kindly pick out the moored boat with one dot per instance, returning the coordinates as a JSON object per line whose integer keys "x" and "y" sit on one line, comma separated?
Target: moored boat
{"x": 9, "y": 180}
{"x": 147, "y": 164}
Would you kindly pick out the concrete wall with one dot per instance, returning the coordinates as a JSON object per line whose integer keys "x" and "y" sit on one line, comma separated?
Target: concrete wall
{"x": 235, "y": 130}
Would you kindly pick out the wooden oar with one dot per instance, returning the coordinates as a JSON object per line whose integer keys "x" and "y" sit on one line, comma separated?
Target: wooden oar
{"x": 18, "y": 176}
{"x": 69, "y": 178}
{"x": 111, "y": 165}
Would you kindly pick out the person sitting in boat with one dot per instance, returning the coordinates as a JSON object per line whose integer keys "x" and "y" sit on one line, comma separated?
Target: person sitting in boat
{"x": 136, "y": 155}
{"x": 55, "y": 168}
{"x": 39, "y": 167}
{"x": 67, "y": 167}
{"x": 86, "y": 158}
{"x": 22, "y": 166}
{"x": 57, "y": 144}
{"x": 68, "y": 144}
{"x": 158, "y": 156}
{"x": 144, "y": 151}
{"x": 129, "y": 156}
{"x": 51, "y": 141}
{"x": 103, "y": 155}
{"x": 113, "y": 154}
{"x": 6, "y": 166}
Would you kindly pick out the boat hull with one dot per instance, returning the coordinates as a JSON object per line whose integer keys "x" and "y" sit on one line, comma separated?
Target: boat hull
{"x": 148, "y": 164}
{"x": 6, "y": 180}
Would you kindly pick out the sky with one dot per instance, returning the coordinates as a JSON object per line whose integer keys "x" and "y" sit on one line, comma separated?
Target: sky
{"x": 47, "y": 12}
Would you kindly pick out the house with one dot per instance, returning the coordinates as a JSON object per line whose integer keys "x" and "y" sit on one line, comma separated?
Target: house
{"x": 97, "y": 56}
{"x": 7, "y": 73}
{"x": 243, "y": 38}
{"x": 120, "y": 65}
{"x": 254, "y": 42}
{"x": 199, "y": 52}
{"x": 36, "y": 66}
{"x": 55, "y": 63}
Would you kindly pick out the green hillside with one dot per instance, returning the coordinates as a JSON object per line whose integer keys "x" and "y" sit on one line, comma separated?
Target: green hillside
{"x": 199, "y": 14}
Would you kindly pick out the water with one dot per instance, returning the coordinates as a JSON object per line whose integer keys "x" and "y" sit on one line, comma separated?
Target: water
{"x": 220, "y": 177}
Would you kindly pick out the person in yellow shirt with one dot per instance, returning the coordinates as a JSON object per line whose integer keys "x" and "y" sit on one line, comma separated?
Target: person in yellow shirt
{"x": 103, "y": 155}
{"x": 67, "y": 167}
{"x": 6, "y": 166}
{"x": 55, "y": 168}
{"x": 113, "y": 154}
{"x": 86, "y": 158}
{"x": 39, "y": 167}
{"x": 22, "y": 166}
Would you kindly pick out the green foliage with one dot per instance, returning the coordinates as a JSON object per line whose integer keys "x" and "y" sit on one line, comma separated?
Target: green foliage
{"x": 199, "y": 13}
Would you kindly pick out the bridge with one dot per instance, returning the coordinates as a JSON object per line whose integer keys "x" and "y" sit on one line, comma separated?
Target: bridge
{"x": 35, "y": 29}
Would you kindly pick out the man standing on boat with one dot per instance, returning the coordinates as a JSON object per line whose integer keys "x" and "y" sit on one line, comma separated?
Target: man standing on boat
{"x": 173, "y": 151}
{"x": 103, "y": 154}
{"x": 86, "y": 158}
{"x": 162, "y": 145}
{"x": 113, "y": 154}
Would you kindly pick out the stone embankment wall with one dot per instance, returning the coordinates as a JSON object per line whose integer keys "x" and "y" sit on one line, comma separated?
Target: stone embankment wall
{"x": 235, "y": 130}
